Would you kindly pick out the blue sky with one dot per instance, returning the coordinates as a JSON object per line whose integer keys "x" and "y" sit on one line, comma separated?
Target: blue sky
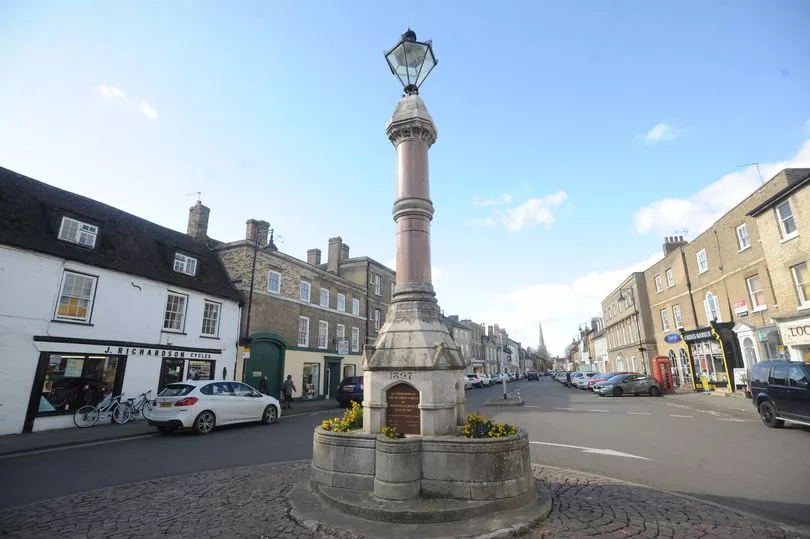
{"x": 572, "y": 135}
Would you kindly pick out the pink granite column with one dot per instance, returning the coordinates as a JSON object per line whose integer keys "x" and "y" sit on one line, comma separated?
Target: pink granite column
{"x": 412, "y": 132}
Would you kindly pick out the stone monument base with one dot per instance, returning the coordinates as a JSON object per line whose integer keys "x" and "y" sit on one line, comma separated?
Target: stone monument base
{"x": 340, "y": 512}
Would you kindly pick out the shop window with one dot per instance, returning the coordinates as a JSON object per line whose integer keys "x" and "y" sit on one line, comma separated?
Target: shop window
{"x": 175, "y": 316}
{"x": 73, "y": 380}
{"x": 210, "y": 324}
{"x": 311, "y": 380}
{"x": 348, "y": 370}
{"x": 76, "y": 297}
{"x": 200, "y": 370}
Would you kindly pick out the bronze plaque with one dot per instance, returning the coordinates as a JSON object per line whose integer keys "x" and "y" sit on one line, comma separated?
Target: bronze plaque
{"x": 403, "y": 409}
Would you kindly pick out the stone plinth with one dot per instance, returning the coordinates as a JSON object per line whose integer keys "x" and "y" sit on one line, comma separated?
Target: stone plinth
{"x": 343, "y": 459}
{"x": 398, "y": 468}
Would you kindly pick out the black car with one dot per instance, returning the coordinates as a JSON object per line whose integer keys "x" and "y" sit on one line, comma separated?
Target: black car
{"x": 350, "y": 389}
{"x": 532, "y": 375}
{"x": 780, "y": 391}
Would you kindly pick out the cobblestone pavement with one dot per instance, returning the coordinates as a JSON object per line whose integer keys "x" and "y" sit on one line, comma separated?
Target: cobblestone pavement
{"x": 585, "y": 505}
{"x": 251, "y": 502}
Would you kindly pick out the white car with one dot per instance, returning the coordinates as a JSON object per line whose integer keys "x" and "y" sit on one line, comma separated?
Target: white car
{"x": 201, "y": 405}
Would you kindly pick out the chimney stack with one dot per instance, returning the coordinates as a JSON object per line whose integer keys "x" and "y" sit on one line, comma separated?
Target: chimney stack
{"x": 314, "y": 257}
{"x": 344, "y": 252}
{"x": 198, "y": 221}
{"x": 257, "y": 231}
{"x": 333, "y": 254}
{"x": 672, "y": 243}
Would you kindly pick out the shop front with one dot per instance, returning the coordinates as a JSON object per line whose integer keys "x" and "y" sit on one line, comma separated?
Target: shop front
{"x": 713, "y": 355}
{"x": 674, "y": 347}
{"x": 795, "y": 334}
{"x": 73, "y": 372}
{"x": 317, "y": 375}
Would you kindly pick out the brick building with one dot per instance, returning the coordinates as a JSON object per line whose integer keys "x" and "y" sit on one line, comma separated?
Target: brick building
{"x": 628, "y": 326}
{"x": 783, "y": 220}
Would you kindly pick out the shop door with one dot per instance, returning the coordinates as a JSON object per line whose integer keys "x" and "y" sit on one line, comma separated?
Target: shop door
{"x": 171, "y": 371}
{"x": 266, "y": 359}
{"x": 333, "y": 377}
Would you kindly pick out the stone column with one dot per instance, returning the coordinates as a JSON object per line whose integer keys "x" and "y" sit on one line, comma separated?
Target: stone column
{"x": 414, "y": 345}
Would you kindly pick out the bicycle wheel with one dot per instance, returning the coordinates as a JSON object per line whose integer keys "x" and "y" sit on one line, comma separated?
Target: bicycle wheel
{"x": 146, "y": 411}
{"x": 86, "y": 416}
{"x": 121, "y": 413}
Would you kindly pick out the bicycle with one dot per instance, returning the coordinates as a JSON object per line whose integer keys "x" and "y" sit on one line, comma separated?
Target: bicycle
{"x": 140, "y": 405}
{"x": 89, "y": 414}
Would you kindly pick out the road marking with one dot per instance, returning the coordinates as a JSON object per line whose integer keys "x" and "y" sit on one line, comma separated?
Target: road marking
{"x": 676, "y": 405}
{"x": 570, "y": 409}
{"x": 639, "y": 413}
{"x": 527, "y": 406}
{"x": 600, "y": 411}
{"x": 734, "y": 419}
{"x": 676, "y": 415}
{"x": 75, "y": 446}
{"x": 593, "y": 450}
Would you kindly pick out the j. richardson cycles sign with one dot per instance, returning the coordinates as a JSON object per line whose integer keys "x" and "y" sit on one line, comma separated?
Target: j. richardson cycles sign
{"x": 156, "y": 352}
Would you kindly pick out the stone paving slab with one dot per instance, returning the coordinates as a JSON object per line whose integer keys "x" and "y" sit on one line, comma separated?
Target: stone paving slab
{"x": 252, "y": 502}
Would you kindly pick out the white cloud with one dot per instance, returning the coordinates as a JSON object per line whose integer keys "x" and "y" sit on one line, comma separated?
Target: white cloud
{"x": 535, "y": 211}
{"x": 109, "y": 92}
{"x": 148, "y": 111}
{"x": 561, "y": 307}
{"x": 661, "y": 132}
{"x": 479, "y": 202}
{"x": 698, "y": 212}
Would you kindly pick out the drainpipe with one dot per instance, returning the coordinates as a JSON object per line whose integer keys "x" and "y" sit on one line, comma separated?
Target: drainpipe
{"x": 368, "y": 276}
{"x": 725, "y": 282}
{"x": 689, "y": 285}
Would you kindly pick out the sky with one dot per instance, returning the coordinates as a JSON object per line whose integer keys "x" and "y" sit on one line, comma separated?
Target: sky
{"x": 573, "y": 136}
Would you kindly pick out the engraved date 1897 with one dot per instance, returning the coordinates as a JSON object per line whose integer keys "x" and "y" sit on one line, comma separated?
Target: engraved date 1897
{"x": 401, "y": 375}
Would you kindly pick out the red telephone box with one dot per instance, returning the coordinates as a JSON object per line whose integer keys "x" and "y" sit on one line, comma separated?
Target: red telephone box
{"x": 662, "y": 372}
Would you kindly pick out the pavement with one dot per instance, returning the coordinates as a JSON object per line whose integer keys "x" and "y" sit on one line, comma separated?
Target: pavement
{"x": 12, "y": 444}
{"x": 252, "y": 502}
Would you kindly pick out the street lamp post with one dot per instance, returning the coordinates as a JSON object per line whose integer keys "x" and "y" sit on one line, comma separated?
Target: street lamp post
{"x": 638, "y": 324}
{"x": 256, "y": 239}
{"x": 503, "y": 367}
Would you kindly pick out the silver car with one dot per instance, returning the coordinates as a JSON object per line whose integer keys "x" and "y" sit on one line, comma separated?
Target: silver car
{"x": 628, "y": 384}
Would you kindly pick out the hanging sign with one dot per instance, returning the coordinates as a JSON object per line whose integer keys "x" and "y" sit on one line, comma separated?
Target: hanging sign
{"x": 672, "y": 338}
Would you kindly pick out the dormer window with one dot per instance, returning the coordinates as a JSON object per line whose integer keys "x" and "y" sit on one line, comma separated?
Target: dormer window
{"x": 185, "y": 264}
{"x": 77, "y": 232}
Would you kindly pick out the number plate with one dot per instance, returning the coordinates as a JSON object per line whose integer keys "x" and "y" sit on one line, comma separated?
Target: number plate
{"x": 165, "y": 404}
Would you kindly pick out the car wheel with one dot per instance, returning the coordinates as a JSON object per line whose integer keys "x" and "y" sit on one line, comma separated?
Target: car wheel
{"x": 618, "y": 392}
{"x": 204, "y": 423}
{"x": 270, "y": 415}
{"x": 767, "y": 411}
{"x": 655, "y": 392}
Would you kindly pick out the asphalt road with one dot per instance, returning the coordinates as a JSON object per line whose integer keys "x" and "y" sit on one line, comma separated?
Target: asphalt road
{"x": 731, "y": 460}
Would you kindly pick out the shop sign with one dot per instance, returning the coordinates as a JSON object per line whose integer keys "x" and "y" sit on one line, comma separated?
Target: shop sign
{"x": 343, "y": 347}
{"x": 741, "y": 308}
{"x": 157, "y": 352}
{"x": 698, "y": 335}
{"x": 672, "y": 338}
{"x": 796, "y": 333}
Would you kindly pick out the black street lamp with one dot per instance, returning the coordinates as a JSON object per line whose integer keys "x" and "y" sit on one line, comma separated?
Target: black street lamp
{"x": 257, "y": 239}
{"x": 638, "y": 324}
{"x": 411, "y": 61}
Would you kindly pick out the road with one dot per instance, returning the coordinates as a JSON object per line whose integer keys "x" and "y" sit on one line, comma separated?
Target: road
{"x": 731, "y": 460}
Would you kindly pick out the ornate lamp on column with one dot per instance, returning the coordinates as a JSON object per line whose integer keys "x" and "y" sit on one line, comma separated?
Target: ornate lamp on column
{"x": 414, "y": 373}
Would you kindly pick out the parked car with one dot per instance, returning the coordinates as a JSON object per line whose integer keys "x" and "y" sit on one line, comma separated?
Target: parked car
{"x": 532, "y": 375}
{"x": 350, "y": 389}
{"x": 780, "y": 392}
{"x": 602, "y": 376}
{"x": 486, "y": 379}
{"x": 201, "y": 405}
{"x": 628, "y": 384}
{"x": 475, "y": 379}
{"x": 582, "y": 381}
{"x": 468, "y": 383}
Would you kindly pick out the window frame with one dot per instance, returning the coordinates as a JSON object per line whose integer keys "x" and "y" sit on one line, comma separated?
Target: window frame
{"x": 76, "y": 239}
{"x": 323, "y": 332}
{"x": 355, "y": 306}
{"x": 185, "y": 260}
{"x": 705, "y": 261}
{"x": 301, "y": 284}
{"x": 340, "y": 332}
{"x": 659, "y": 284}
{"x": 270, "y": 274}
{"x": 743, "y": 238}
{"x": 377, "y": 284}
{"x": 803, "y": 301}
{"x": 677, "y": 317}
{"x": 91, "y": 301}
{"x": 322, "y": 297}
{"x": 670, "y": 277}
{"x": 377, "y": 319}
{"x": 341, "y": 302}
{"x": 305, "y": 343}
{"x": 169, "y": 294}
{"x": 218, "y": 319}
{"x": 709, "y": 319}
{"x": 755, "y": 308}
{"x": 355, "y": 339}
{"x": 781, "y": 222}
{"x": 665, "y": 319}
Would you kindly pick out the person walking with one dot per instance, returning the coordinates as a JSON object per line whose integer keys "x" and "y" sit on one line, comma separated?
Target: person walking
{"x": 263, "y": 385}
{"x": 288, "y": 389}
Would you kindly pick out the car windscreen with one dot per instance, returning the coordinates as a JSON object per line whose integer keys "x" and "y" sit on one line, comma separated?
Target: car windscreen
{"x": 176, "y": 390}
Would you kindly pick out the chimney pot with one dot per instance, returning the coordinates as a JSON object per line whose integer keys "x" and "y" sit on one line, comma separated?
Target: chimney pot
{"x": 257, "y": 231}
{"x": 198, "y": 221}
{"x": 344, "y": 252}
{"x": 333, "y": 254}
{"x": 314, "y": 257}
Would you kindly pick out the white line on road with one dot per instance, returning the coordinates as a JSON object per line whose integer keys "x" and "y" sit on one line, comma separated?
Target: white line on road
{"x": 527, "y": 406}
{"x": 593, "y": 450}
{"x": 676, "y": 415}
{"x": 676, "y": 405}
{"x": 562, "y": 408}
{"x": 639, "y": 413}
{"x": 600, "y": 411}
{"x": 733, "y": 419}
